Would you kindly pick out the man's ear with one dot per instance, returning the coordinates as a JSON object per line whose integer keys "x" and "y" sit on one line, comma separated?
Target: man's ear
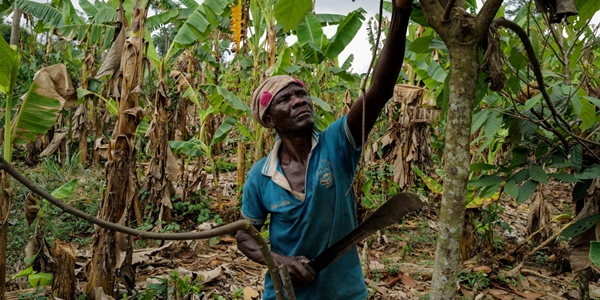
{"x": 268, "y": 121}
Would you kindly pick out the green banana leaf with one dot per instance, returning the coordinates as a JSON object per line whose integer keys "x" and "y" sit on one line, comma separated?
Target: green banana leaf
{"x": 42, "y": 103}
{"x": 8, "y": 68}
{"x": 346, "y": 31}
{"x": 289, "y": 13}
{"x": 310, "y": 31}
{"x": 201, "y": 22}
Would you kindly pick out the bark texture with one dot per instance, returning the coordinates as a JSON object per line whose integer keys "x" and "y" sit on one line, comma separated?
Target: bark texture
{"x": 112, "y": 252}
{"x": 63, "y": 283}
{"x": 462, "y": 33}
{"x": 16, "y": 26}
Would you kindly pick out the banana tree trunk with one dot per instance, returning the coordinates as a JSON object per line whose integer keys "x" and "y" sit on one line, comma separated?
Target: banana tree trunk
{"x": 112, "y": 252}
{"x": 163, "y": 169}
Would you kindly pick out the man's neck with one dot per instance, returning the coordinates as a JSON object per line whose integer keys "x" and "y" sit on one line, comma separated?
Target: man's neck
{"x": 295, "y": 147}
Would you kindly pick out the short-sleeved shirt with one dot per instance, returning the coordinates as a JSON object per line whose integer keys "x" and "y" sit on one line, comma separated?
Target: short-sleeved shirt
{"x": 307, "y": 223}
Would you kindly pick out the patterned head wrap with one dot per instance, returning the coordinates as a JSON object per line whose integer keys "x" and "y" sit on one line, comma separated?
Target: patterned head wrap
{"x": 262, "y": 96}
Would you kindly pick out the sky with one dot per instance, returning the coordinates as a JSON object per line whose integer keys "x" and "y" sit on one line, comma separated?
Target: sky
{"x": 359, "y": 46}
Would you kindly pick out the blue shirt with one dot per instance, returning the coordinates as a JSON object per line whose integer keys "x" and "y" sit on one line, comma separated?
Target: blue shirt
{"x": 307, "y": 223}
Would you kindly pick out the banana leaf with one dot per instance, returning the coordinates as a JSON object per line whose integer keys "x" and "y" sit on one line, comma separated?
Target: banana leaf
{"x": 50, "y": 91}
{"x": 289, "y": 13}
{"x": 346, "y": 31}
{"x": 310, "y": 31}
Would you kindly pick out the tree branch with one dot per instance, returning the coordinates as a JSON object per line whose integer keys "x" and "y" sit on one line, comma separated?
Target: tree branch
{"x": 225, "y": 229}
{"x": 486, "y": 15}
{"x": 432, "y": 9}
{"x": 540, "y": 79}
{"x": 448, "y": 10}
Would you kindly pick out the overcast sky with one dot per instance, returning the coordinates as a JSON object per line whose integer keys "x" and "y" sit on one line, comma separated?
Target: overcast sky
{"x": 359, "y": 46}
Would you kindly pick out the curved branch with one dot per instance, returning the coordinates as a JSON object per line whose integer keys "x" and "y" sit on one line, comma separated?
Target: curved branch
{"x": 432, "y": 9}
{"x": 225, "y": 229}
{"x": 540, "y": 79}
{"x": 486, "y": 15}
{"x": 448, "y": 10}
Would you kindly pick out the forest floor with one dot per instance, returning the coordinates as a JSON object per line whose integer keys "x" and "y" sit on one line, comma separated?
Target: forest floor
{"x": 397, "y": 261}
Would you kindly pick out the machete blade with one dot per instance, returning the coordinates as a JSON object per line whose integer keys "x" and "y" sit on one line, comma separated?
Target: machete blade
{"x": 389, "y": 213}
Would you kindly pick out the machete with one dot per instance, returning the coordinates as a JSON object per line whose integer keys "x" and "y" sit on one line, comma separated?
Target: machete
{"x": 389, "y": 213}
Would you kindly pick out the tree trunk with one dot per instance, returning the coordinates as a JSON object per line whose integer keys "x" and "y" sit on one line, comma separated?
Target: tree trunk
{"x": 16, "y": 26}
{"x": 63, "y": 283}
{"x": 112, "y": 252}
{"x": 464, "y": 64}
{"x": 462, "y": 33}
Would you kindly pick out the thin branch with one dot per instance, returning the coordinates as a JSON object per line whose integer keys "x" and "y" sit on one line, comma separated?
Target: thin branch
{"x": 486, "y": 15}
{"x": 448, "y": 10}
{"x": 225, "y": 229}
{"x": 540, "y": 78}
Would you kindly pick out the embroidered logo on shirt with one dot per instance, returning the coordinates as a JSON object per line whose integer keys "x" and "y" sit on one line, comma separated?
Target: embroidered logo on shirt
{"x": 325, "y": 173}
{"x": 280, "y": 204}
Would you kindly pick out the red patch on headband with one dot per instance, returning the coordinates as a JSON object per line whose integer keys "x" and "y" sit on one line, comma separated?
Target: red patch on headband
{"x": 265, "y": 98}
{"x": 300, "y": 82}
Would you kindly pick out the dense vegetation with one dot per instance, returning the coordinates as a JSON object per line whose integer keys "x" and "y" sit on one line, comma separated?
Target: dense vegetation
{"x": 148, "y": 114}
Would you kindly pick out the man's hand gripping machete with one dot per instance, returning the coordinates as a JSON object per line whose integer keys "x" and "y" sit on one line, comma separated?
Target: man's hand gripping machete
{"x": 389, "y": 213}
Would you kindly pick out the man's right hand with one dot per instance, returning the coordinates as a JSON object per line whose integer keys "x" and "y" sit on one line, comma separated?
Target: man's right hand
{"x": 296, "y": 266}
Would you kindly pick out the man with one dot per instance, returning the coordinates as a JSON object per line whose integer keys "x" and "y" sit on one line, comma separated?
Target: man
{"x": 303, "y": 183}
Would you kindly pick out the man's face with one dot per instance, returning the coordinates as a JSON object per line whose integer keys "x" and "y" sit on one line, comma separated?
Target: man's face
{"x": 290, "y": 110}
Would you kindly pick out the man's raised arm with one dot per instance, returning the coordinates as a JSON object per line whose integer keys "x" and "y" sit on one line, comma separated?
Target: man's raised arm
{"x": 385, "y": 73}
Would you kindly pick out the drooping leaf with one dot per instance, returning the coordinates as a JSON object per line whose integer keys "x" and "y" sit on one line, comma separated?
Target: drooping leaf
{"x": 50, "y": 89}
{"x": 511, "y": 189}
{"x": 66, "y": 190}
{"x": 492, "y": 124}
{"x": 289, "y": 13}
{"x": 595, "y": 253}
{"x": 537, "y": 173}
{"x": 580, "y": 226}
{"x": 223, "y": 130}
{"x": 40, "y": 279}
{"x": 319, "y": 102}
{"x": 8, "y": 67}
{"x": 329, "y": 19}
{"x": 283, "y": 62}
{"x": 590, "y": 172}
{"x": 564, "y": 177}
{"x": 587, "y": 114}
{"x": 486, "y": 180}
{"x": 526, "y": 190}
{"x": 476, "y": 167}
{"x": 312, "y": 54}
{"x": 88, "y": 8}
{"x": 431, "y": 184}
{"x": 310, "y": 31}
{"x": 42, "y": 11}
{"x": 193, "y": 147}
{"x": 345, "y": 33}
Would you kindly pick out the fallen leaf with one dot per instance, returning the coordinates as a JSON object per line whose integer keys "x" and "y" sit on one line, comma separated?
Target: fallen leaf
{"x": 532, "y": 281}
{"x": 407, "y": 280}
{"x": 529, "y": 295}
{"x": 485, "y": 269}
{"x": 250, "y": 293}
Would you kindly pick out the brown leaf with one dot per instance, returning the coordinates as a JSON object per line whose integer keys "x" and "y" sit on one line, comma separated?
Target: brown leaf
{"x": 407, "y": 280}
{"x": 528, "y": 295}
{"x": 250, "y": 293}
{"x": 31, "y": 208}
{"x": 485, "y": 269}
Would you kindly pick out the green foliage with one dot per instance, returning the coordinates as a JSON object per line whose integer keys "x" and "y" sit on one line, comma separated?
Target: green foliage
{"x": 474, "y": 280}
{"x": 289, "y": 13}
{"x": 171, "y": 286}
